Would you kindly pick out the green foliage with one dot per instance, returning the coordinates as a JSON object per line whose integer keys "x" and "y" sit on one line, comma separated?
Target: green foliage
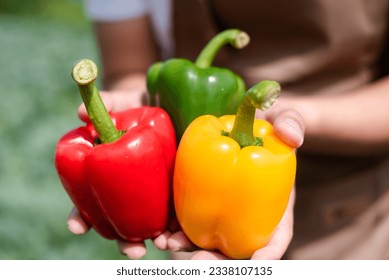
{"x": 38, "y": 105}
{"x": 20, "y": 6}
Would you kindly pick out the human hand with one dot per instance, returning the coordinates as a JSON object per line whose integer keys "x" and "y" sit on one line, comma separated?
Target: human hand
{"x": 177, "y": 241}
{"x": 289, "y": 126}
{"x": 287, "y": 123}
{"x": 78, "y": 226}
{"x": 274, "y": 250}
{"x": 118, "y": 100}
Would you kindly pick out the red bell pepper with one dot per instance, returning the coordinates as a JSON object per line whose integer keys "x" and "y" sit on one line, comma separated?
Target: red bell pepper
{"x": 118, "y": 170}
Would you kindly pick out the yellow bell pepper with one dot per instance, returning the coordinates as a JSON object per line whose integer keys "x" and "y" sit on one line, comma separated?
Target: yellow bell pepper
{"x": 233, "y": 178}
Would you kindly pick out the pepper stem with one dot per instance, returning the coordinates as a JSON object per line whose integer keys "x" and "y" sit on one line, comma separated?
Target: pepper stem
{"x": 84, "y": 73}
{"x": 235, "y": 37}
{"x": 261, "y": 96}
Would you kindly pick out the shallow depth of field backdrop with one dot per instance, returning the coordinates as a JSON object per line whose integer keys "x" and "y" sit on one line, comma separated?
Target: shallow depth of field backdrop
{"x": 39, "y": 41}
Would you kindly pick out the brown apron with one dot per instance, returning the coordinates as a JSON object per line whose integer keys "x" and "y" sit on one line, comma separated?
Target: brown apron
{"x": 344, "y": 218}
{"x": 310, "y": 47}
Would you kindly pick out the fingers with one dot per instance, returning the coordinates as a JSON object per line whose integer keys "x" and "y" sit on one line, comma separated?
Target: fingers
{"x": 161, "y": 242}
{"x": 281, "y": 237}
{"x": 165, "y": 241}
{"x": 76, "y": 224}
{"x": 277, "y": 247}
{"x": 288, "y": 124}
{"x": 132, "y": 250}
{"x": 179, "y": 242}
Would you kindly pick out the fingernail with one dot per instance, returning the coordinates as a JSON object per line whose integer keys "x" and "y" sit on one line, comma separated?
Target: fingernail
{"x": 75, "y": 227}
{"x": 294, "y": 130}
{"x": 135, "y": 252}
{"x": 174, "y": 245}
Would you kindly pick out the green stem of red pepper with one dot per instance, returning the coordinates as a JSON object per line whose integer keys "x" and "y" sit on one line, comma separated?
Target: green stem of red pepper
{"x": 261, "y": 96}
{"x": 84, "y": 73}
{"x": 237, "y": 38}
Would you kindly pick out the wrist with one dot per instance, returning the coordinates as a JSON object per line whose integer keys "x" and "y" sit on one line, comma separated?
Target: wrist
{"x": 128, "y": 91}
{"x": 129, "y": 82}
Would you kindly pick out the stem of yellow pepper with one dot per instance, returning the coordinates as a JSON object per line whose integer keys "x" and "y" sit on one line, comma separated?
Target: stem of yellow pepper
{"x": 261, "y": 96}
{"x": 84, "y": 73}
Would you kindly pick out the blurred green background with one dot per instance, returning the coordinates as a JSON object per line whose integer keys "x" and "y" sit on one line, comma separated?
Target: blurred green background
{"x": 39, "y": 41}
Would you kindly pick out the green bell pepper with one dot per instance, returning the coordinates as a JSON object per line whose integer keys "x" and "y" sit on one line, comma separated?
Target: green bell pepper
{"x": 187, "y": 90}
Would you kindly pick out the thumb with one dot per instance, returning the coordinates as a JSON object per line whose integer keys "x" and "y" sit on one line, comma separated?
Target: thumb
{"x": 288, "y": 124}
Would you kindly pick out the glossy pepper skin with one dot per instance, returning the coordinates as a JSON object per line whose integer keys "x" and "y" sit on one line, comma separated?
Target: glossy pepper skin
{"x": 187, "y": 90}
{"x": 121, "y": 188}
{"x": 226, "y": 196}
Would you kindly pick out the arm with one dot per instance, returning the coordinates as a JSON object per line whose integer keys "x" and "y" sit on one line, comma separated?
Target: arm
{"x": 353, "y": 123}
{"x": 126, "y": 53}
{"x": 127, "y": 48}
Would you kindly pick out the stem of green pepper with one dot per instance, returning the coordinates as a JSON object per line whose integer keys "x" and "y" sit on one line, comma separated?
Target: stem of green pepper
{"x": 84, "y": 73}
{"x": 261, "y": 96}
{"x": 235, "y": 37}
